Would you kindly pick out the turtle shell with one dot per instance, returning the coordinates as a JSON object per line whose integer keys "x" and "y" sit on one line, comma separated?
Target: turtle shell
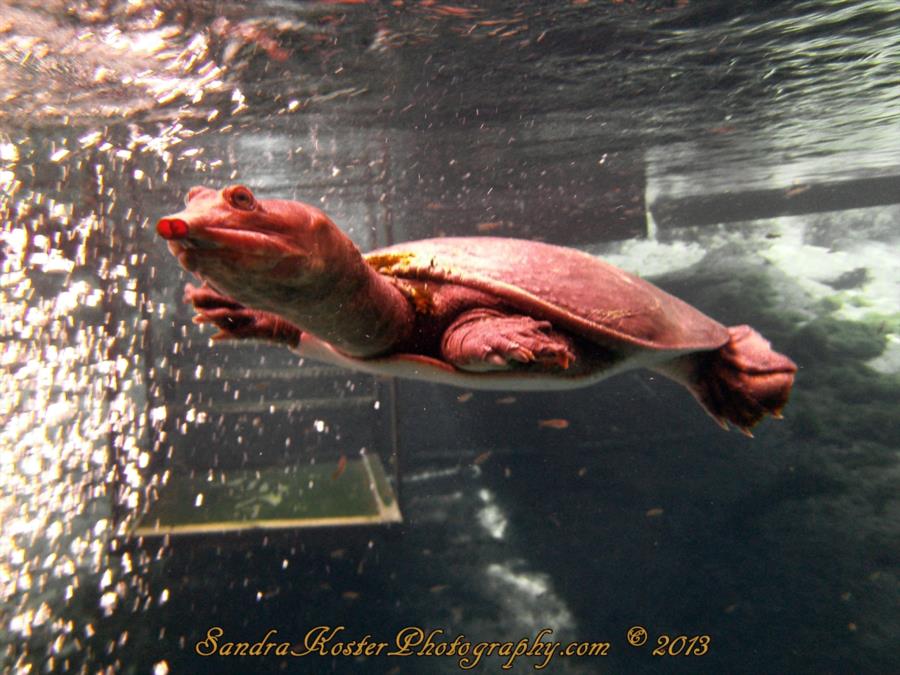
{"x": 570, "y": 288}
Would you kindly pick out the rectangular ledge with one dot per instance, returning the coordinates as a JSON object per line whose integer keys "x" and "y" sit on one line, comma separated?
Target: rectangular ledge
{"x": 338, "y": 493}
{"x": 794, "y": 200}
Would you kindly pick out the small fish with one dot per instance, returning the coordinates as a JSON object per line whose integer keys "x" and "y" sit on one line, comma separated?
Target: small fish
{"x": 582, "y": 472}
{"x": 438, "y": 588}
{"x": 341, "y": 467}
{"x": 555, "y": 423}
{"x": 488, "y": 227}
{"x": 462, "y": 398}
{"x": 514, "y": 31}
{"x": 506, "y": 400}
{"x": 454, "y": 10}
{"x": 350, "y": 595}
{"x": 796, "y": 190}
{"x": 654, "y": 512}
{"x": 482, "y": 458}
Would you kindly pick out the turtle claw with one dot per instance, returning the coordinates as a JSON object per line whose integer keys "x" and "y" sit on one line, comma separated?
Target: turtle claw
{"x": 722, "y": 422}
{"x": 518, "y": 353}
{"x": 235, "y": 321}
{"x": 204, "y": 296}
{"x": 555, "y": 356}
{"x": 485, "y": 339}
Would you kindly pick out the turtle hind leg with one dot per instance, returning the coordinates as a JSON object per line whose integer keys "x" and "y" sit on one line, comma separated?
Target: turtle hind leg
{"x": 237, "y": 322}
{"x": 741, "y": 382}
{"x": 490, "y": 340}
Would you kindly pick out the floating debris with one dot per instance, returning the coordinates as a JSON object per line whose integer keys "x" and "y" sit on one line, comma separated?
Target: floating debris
{"x": 341, "y": 467}
{"x": 482, "y": 458}
{"x": 554, "y": 423}
{"x": 488, "y": 227}
{"x": 796, "y": 190}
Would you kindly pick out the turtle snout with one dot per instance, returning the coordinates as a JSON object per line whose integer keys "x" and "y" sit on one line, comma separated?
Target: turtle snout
{"x": 196, "y": 191}
{"x": 178, "y": 232}
{"x": 172, "y": 228}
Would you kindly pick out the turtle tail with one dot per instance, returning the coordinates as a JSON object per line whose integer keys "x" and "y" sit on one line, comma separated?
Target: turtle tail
{"x": 741, "y": 382}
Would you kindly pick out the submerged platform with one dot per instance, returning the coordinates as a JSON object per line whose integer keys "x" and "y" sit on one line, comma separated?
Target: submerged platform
{"x": 345, "y": 491}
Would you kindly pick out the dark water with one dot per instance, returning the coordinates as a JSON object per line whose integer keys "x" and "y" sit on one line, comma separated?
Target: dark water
{"x": 742, "y": 154}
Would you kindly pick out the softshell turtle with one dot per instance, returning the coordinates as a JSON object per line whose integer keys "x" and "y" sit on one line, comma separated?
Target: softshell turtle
{"x": 477, "y": 312}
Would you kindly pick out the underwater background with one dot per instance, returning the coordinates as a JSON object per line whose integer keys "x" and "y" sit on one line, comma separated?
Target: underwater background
{"x": 745, "y": 156}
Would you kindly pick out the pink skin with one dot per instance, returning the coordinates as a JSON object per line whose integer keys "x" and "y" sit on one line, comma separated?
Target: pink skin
{"x": 273, "y": 264}
{"x": 288, "y": 259}
{"x": 740, "y": 383}
{"x": 485, "y": 339}
{"x": 274, "y": 269}
{"x": 236, "y": 322}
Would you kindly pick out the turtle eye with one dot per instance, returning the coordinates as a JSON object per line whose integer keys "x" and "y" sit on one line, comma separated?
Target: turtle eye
{"x": 240, "y": 197}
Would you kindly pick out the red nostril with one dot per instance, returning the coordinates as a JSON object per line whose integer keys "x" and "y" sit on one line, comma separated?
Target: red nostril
{"x": 172, "y": 228}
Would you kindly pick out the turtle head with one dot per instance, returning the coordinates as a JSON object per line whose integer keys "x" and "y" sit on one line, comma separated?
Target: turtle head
{"x": 252, "y": 249}
{"x": 289, "y": 259}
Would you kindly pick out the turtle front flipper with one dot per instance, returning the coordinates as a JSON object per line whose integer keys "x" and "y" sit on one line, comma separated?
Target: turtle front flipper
{"x": 489, "y": 340}
{"x": 237, "y": 322}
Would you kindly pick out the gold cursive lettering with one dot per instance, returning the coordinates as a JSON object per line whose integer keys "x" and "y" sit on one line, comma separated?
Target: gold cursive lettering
{"x": 316, "y": 640}
{"x": 406, "y": 639}
{"x": 210, "y": 644}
